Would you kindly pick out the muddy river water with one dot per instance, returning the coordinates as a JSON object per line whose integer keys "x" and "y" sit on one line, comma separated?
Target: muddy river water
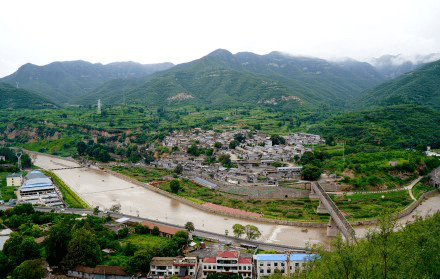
{"x": 98, "y": 188}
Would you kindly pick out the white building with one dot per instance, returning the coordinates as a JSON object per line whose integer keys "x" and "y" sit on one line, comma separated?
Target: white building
{"x": 227, "y": 262}
{"x": 161, "y": 267}
{"x": 266, "y": 264}
{"x": 14, "y": 179}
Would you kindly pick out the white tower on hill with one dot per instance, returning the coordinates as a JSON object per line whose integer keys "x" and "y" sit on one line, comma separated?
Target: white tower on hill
{"x": 99, "y": 106}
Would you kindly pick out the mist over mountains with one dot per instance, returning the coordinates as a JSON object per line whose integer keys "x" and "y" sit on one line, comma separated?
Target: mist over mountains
{"x": 218, "y": 79}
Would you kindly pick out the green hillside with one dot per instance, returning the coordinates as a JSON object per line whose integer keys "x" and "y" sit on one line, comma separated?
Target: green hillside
{"x": 224, "y": 79}
{"x": 62, "y": 81}
{"x": 402, "y": 126}
{"x": 421, "y": 87}
{"x": 14, "y": 98}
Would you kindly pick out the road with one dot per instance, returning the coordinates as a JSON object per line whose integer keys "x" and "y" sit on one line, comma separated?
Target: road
{"x": 221, "y": 238}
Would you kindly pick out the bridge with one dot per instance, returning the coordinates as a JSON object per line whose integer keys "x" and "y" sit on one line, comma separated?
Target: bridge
{"x": 67, "y": 168}
{"x": 337, "y": 220}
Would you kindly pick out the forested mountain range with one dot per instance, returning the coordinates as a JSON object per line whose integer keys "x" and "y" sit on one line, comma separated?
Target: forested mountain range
{"x": 392, "y": 66}
{"x": 421, "y": 87}
{"x": 62, "y": 81}
{"x": 224, "y": 79}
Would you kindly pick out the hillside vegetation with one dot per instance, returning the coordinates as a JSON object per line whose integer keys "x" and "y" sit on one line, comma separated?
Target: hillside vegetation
{"x": 62, "y": 81}
{"x": 17, "y": 98}
{"x": 223, "y": 79}
{"x": 421, "y": 87}
{"x": 411, "y": 252}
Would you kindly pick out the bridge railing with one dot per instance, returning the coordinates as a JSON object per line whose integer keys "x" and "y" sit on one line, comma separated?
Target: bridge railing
{"x": 336, "y": 210}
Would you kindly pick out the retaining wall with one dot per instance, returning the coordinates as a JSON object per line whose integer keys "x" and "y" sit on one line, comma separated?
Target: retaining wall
{"x": 219, "y": 212}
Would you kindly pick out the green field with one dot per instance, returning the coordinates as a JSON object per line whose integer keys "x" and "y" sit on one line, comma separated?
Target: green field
{"x": 6, "y": 193}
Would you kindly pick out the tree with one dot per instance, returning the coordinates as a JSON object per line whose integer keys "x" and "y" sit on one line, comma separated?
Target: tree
{"x": 239, "y": 138}
{"x": 311, "y": 172}
{"x": 81, "y": 148}
{"x": 5, "y": 265}
{"x": 140, "y": 262}
{"x": 56, "y": 244}
{"x": 233, "y": 144}
{"x": 123, "y": 233}
{"x": 83, "y": 249}
{"x": 225, "y": 159}
{"x": 174, "y": 186}
{"x": 28, "y": 250}
{"x": 277, "y": 140}
{"x": 238, "y": 230}
{"x": 155, "y": 231}
{"x": 31, "y": 269}
{"x": 252, "y": 232}
{"x": 141, "y": 229}
{"x": 178, "y": 169}
{"x": 181, "y": 238}
{"x": 189, "y": 226}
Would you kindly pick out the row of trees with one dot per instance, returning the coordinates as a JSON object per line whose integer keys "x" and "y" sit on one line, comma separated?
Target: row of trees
{"x": 250, "y": 231}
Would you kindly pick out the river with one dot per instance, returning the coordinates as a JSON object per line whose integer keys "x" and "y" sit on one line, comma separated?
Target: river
{"x": 98, "y": 188}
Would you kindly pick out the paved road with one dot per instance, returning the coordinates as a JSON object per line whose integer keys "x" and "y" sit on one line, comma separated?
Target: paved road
{"x": 221, "y": 238}
{"x": 410, "y": 186}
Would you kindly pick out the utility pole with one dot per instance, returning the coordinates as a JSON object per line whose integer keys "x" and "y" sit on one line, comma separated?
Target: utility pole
{"x": 18, "y": 155}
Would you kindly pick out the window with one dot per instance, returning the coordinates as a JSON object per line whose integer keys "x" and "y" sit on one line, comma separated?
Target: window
{"x": 268, "y": 264}
{"x": 275, "y": 264}
{"x": 296, "y": 264}
{"x": 249, "y": 267}
{"x": 268, "y": 270}
{"x": 261, "y": 264}
{"x": 239, "y": 267}
{"x": 261, "y": 270}
{"x": 282, "y": 264}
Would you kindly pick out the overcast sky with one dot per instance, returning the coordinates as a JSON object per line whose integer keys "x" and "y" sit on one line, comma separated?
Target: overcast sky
{"x": 41, "y": 32}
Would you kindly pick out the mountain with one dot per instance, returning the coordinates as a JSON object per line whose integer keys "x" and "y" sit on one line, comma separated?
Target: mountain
{"x": 62, "y": 81}
{"x": 223, "y": 79}
{"x": 420, "y": 87}
{"x": 13, "y": 98}
{"x": 393, "y": 66}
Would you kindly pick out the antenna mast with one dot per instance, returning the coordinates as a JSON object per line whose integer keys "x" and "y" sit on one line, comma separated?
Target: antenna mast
{"x": 18, "y": 155}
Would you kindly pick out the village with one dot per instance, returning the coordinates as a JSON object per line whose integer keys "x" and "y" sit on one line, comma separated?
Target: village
{"x": 255, "y": 159}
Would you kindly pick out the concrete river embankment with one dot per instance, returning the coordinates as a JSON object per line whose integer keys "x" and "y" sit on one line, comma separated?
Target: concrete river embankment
{"x": 102, "y": 189}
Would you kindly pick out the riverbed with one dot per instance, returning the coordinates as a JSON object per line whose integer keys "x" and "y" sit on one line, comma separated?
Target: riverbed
{"x": 99, "y": 188}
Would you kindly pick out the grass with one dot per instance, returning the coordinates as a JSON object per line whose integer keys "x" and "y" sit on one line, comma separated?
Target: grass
{"x": 72, "y": 199}
{"x": 141, "y": 242}
{"x": 143, "y": 174}
{"x": 368, "y": 206}
{"x": 64, "y": 147}
{"x": 6, "y": 193}
{"x": 419, "y": 189}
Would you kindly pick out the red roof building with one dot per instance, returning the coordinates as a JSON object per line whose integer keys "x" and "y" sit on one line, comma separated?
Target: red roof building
{"x": 227, "y": 262}
{"x": 165, "y": 231}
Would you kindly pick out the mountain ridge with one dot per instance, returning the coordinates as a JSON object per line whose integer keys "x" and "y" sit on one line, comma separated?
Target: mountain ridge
{"x": 246, "y": 76}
